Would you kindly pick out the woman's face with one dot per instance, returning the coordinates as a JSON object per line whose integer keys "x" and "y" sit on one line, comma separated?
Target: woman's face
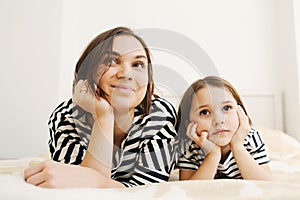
{"x": 125, "y": 81}
{"x": 215, "y": 110}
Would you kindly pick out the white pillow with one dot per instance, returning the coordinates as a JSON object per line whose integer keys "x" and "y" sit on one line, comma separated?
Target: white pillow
{"x": 279, "y": 144}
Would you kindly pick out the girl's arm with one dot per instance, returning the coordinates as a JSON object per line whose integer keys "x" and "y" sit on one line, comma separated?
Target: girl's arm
{"x": 208, "y": 168}
{"x": 248, "y": 166}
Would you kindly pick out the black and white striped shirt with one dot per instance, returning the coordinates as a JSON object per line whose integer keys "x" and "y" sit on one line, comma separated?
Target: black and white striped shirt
{"x": 146, "y": 155}
{"x": 194, "y": 156}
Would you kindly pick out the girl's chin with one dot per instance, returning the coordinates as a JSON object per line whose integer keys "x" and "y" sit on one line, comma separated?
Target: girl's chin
{"x": 221, "y": 142}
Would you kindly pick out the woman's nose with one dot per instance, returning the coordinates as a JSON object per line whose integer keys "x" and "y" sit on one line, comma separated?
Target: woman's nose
{"x": 124, "y": 71}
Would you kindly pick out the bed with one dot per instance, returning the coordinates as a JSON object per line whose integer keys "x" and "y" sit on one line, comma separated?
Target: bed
{"x": 283, "y": 149}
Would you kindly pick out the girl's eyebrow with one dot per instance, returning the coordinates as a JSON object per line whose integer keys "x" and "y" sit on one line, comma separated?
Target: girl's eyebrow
{"x": 199, "y": 107}
{"x": 206, "y": 105}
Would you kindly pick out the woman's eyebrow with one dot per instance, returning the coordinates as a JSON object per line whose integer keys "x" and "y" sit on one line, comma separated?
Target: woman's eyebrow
{"x": 116, "y": 54}
{"x": 141, "y": 56}
{"x": 229, "y": 101}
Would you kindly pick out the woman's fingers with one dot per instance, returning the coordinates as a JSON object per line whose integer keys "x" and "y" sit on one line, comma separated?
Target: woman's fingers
{"x": 34, "y": 174}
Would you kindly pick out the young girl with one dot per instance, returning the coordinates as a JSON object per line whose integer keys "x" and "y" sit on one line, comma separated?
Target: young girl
{"x": 223, "y": 145}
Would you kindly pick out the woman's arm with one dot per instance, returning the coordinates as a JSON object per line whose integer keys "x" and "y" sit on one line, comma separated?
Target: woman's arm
{"x": 51, "y": 174}
{"x": 100, "y": 149}
{"x": 99, "y": 153}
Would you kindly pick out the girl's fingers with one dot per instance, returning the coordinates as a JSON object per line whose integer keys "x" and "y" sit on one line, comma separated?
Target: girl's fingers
{"x": 189, "y": 130}
{"x": 204, "y": 134}
{"x": 241, "y": 114}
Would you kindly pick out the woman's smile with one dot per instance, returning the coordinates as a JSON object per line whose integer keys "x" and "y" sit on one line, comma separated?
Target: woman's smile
{"x": 124, "y": 89}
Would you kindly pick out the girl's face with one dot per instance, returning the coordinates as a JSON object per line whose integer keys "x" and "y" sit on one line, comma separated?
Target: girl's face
{"x": 125, "y": 81}
{"x": 215, "y": 110}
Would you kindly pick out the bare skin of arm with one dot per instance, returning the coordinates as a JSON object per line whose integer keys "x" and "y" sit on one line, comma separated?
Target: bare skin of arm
{"x": 209, "y": 166}
{"x": 95, "y": 169}
{"x": 248, "y": 167}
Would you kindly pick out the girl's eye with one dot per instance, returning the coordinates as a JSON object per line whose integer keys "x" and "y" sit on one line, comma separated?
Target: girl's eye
{"x": 204, "y": 112}
{"x": 227, "y": 108}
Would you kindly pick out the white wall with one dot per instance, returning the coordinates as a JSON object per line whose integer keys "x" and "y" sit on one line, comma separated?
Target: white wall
{"x": 30, "y": 51}
{"x": 251, "y": 42}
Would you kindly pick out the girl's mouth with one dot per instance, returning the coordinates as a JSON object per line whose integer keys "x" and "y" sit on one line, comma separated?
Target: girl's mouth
{"x": 220, "y": 132}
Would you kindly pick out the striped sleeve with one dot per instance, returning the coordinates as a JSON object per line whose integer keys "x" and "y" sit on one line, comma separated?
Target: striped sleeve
{"x": 256, "y": 147}
{"x": 65, "y": 144}
{"x": 157, "y": 153}
{"x": 191, "y": 158}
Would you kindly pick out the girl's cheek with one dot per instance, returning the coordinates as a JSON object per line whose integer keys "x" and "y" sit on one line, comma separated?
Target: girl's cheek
{"x": 234, "y": 121}
{"x": 202, "y": 126}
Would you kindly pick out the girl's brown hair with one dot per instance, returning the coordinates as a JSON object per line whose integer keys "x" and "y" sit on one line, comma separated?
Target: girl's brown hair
{"x": 96, "y": 53}
{"x": 186, "y": 101}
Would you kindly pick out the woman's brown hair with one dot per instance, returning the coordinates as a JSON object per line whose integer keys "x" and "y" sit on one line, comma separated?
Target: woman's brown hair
{"x": 96, "y": 53}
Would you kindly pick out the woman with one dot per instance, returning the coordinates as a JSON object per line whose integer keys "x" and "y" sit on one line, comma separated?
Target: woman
{"x": 113, "y": 127}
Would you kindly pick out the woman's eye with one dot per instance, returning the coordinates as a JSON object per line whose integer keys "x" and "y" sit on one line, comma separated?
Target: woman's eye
{"x": 110, "y": 61}
{"x": 114, "y": 61}
{"x": 204, "y": 112}
{"x": 227, "y": 108}
{"x": 138, "y": 65}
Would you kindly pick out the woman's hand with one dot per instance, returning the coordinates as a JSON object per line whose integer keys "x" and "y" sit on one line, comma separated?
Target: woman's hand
{"x": 85, "y": 98}
{"x": 51, "y": 174}
{"x": 200, "y": 139}
{"x": 243, "y": 130}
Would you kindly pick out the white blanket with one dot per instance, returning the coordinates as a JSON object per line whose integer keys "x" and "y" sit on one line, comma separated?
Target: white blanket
{"x": 284, "y": 152}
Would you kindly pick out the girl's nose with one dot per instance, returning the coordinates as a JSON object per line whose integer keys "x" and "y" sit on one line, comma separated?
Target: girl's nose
{"x": 219, "y": 118}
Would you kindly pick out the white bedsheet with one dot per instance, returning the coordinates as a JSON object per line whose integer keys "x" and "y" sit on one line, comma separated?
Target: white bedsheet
{"x": 284, "y": 152}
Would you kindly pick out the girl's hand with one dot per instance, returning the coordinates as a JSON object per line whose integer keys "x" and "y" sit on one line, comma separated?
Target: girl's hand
{"x": 200, "y": 139}
{"x": 84, "y": 98}
{"x": 243, "y": 130}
